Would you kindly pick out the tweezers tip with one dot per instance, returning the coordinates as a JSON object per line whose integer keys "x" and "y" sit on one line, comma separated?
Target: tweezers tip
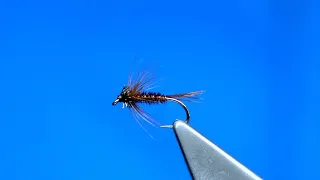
{"x": 206, "y": 160}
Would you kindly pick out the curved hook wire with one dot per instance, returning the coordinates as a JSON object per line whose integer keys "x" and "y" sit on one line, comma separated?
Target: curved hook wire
{"x": 185, "y": 109}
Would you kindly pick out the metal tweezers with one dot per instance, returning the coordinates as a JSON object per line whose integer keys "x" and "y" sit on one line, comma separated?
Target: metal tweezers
{"x": 205, "y": 160}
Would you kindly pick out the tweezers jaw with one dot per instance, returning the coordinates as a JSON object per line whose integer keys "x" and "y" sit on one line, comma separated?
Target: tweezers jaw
{"x": 205, "y": 160}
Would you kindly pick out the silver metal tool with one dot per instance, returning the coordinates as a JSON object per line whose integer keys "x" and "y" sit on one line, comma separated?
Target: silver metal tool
{"x": 207, "y": 161}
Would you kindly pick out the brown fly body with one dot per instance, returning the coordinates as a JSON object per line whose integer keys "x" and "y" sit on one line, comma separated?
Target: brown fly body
{"x": 137, "y": 92}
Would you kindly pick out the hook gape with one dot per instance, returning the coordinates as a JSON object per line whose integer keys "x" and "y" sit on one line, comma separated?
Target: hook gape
{"x": 185, "y": 109}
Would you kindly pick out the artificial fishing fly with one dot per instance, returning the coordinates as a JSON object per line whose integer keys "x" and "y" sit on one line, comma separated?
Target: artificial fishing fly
{"x": 136, "y": 92}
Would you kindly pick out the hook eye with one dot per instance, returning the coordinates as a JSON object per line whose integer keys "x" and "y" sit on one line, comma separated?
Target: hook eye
{"x": 115, "y": 102}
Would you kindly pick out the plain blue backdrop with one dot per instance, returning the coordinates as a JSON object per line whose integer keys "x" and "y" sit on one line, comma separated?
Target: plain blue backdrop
{"x": 62, "y": 63}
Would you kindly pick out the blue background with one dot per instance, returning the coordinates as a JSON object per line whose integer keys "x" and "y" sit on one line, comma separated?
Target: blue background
{"x": 64, "y": 62}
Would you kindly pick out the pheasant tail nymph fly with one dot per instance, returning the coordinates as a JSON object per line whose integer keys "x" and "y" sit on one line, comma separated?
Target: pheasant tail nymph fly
{"x": 136, "y": 92}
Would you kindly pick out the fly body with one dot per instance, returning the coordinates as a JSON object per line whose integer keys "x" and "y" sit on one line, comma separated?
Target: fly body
{"x": 135, "y": 93}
